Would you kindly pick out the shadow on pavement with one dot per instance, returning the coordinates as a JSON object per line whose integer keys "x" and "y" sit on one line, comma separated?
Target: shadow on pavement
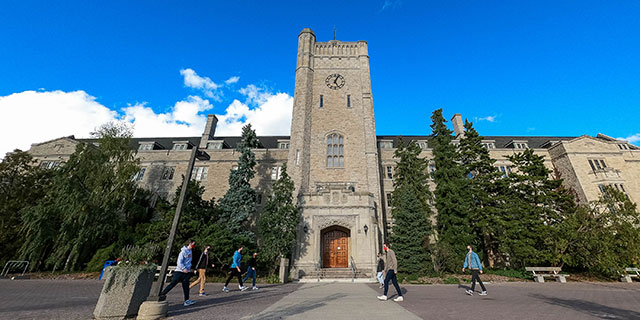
{"x": 298, "y": 308}
{"x": 590, "y": 308}
{"x": 233, "y": 297}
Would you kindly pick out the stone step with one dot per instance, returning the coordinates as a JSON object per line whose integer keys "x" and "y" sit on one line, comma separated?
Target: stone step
{"x": 338, "y": 273}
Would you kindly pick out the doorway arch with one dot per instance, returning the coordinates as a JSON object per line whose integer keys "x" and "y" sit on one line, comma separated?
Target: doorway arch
{"x": 335, "y": 247}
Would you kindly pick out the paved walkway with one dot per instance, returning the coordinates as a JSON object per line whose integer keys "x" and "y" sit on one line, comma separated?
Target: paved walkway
{"x": 334, "y": 301}
{"x": 76, "y": 299}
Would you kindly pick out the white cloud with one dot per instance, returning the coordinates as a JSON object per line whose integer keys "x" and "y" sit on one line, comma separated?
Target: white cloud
{"x": 232, "y": 80}
{"x": 205, "y": 84}
{"x": 33, "y": 117}
{"x": 487, "y": 118}
{"x": 184, "y": 119}
{"x": 270, "y": 114}
{"x": 390, "y": 4}
{"x": 634, "y": 138}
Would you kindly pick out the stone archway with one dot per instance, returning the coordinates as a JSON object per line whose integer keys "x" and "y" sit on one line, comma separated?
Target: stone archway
{"x": 335, "y": 247}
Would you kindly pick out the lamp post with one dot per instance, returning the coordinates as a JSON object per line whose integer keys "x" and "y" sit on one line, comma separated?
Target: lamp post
{"x": 156, "y": 306}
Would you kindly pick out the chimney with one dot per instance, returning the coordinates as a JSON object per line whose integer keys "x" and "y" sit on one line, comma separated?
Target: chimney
{"x": 458, "y": 125}
{"x": 209, "y": 130}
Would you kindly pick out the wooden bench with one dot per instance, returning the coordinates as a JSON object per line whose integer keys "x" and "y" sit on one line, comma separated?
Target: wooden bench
{"x": 630, "y": 273}
{"x": 539, "y": 273}
{"x": 170, "y": 270}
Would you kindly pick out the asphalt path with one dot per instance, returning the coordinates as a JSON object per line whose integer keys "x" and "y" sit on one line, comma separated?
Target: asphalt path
{"x": 76, "y": 299}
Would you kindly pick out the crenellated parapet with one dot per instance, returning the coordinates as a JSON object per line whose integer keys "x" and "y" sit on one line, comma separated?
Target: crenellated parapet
{"x": 336, "y": 49}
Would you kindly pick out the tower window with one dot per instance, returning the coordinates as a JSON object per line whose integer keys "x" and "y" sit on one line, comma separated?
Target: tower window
{"x": 335, "y": 151}
{"x": 389, "y": 172}
{"x": 348, "y": 101}
{"x": 321, "y": 101}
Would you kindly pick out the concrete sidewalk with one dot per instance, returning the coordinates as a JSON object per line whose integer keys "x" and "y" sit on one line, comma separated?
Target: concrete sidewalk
{"x": 335, "y": 301}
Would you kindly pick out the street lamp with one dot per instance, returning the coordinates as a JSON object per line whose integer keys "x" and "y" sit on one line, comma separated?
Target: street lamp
{"x": 157, "y": 286}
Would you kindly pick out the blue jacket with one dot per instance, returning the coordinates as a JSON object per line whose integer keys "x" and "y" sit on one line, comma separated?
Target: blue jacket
{"x": 236, "y": 259}
{"x": 475, "y": 261}
{"x": 184, "y": 260}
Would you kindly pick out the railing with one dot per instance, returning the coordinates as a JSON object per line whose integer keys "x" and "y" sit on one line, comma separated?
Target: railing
{"x": 318, "y": 271}
{"x": 13, "y": 265}
{"x": 354, "y": 270}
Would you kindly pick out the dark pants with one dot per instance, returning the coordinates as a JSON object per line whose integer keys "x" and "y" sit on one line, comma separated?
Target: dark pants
{"x": 252, "y": 273}
{"x": 179, "y": 277}
{"x": 475, "y": 276}
{"x": 391, "y": 276}
{"x": 234, "y": 273}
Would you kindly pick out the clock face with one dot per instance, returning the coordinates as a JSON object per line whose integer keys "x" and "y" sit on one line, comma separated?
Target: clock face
{"x": 335, "y": 81}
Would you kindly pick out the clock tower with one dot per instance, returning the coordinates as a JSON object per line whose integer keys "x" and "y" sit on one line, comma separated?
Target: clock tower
{"x": 333, "y": 158}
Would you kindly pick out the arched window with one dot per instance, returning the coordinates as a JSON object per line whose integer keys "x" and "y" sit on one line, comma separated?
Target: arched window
{"x": 335, "y": 151}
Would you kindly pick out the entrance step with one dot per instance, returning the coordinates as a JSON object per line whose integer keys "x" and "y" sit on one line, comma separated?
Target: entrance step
{"x": 338, "y": 273}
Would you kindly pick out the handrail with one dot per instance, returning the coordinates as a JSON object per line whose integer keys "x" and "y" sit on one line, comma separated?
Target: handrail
{"x": 353, "y": 269}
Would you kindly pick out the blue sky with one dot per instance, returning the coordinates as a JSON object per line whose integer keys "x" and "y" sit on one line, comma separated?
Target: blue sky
{"x": 528, "y": 68}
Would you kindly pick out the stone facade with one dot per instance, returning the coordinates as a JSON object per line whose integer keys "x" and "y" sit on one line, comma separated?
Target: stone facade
{"x": 333, "y": 99}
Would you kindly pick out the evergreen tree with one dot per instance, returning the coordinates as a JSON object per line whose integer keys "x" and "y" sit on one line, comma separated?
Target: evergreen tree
{"x": 239, "y": 203}
{"x": 451, "y": 196}
{"x": 534, "y": 202}
{"x": 411, "y": 212}
{"x": 279, "y": 221}
{"x": 483, "y": 191}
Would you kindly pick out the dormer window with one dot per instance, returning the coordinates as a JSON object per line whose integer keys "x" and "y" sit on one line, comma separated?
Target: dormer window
{"x": 385, "y": 144}
{"x": 283, "y": 144}
{"x": 214, "y": 145}
{"x": 423, "y": 145}
{"x": 180, "y": 146}
{"x": 145, "y": 146}
{"x": 489, "y": 144}
{"x": 518, "y": 144}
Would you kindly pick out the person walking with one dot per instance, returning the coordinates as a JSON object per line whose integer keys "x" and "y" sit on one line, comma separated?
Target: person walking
{"x": 182, "y": 273}
{"x": 390, "y": 274}
{"x": 472, "y": 261}
{"x": 235, "y": 271}
{"x": 251, "y": 270}
{"x": 201, "y": 267}
{"x": 380, "y": 270}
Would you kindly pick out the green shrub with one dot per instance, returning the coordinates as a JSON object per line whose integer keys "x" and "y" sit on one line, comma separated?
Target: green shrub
{"x": 512, "y": 273}
{"x": 451, "y": 280}
{"x": 97, "y": 261}
{"x": 137, "y": 255}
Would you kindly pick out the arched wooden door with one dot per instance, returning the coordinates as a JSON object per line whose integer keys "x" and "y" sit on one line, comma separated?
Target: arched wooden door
{"x": 335, "y": 248}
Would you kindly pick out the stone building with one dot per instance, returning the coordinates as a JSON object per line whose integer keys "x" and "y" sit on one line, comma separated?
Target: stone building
{"x": 343, "y": 171}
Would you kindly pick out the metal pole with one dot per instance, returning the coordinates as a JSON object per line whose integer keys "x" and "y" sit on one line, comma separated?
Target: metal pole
{"x": 157, "y": 287}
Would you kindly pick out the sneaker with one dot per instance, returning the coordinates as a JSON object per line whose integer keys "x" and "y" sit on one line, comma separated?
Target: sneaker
{"x": 381, "y": 286}
{"x": 483, "y": 293}
{"x": 255, "y": 288}
{"x": 383, "y": 298}
{"x": 243, "y": 288}
{"x": 202, "y": 294}
{"x": 469, "y": 292}
{"x": 399, "y": 299}
{"x": 225, "y": 289}
{"x": 189, "y": 302}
